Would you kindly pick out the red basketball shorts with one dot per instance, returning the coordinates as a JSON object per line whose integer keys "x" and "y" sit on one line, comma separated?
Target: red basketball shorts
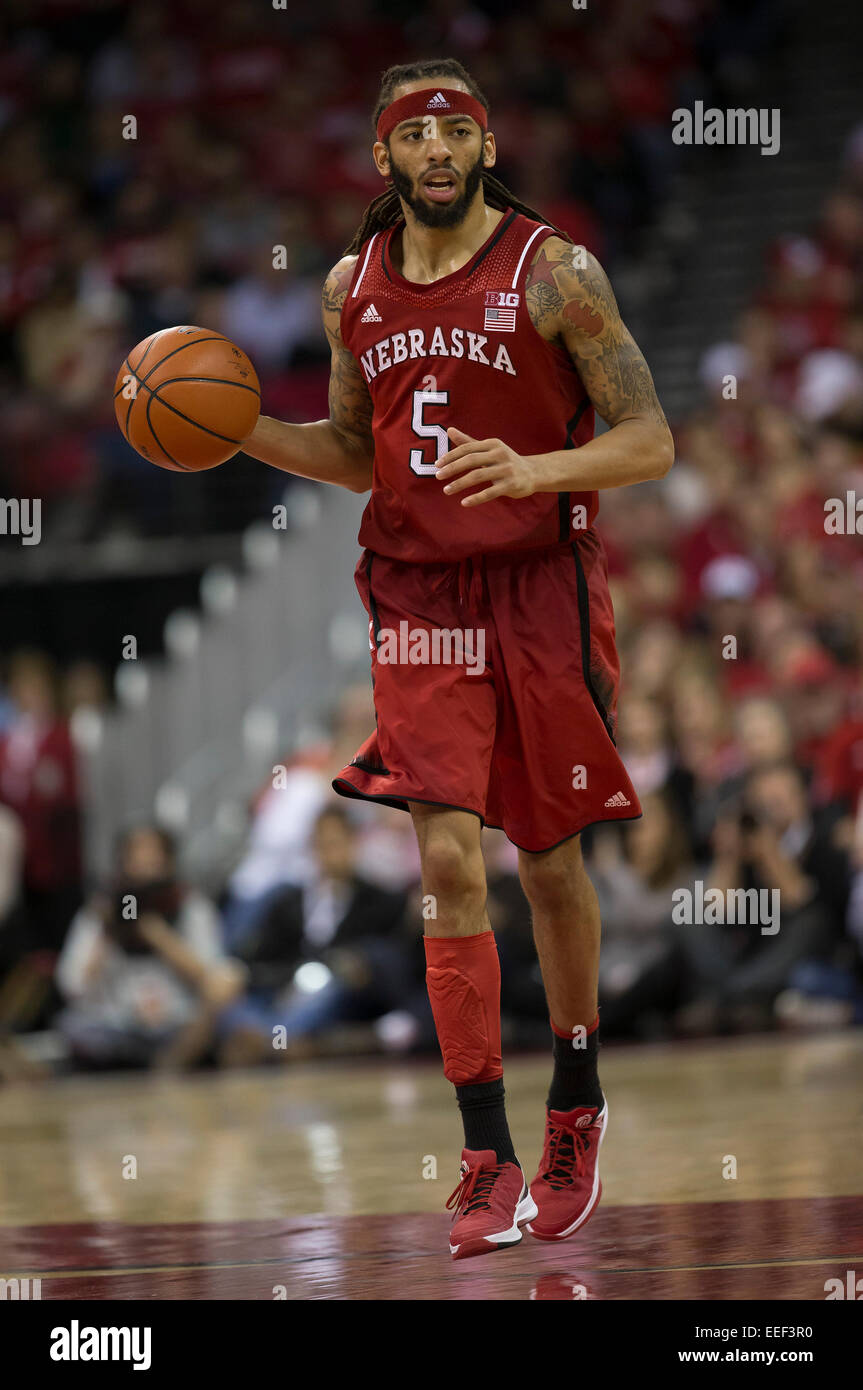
{"x": 495, "y": 686}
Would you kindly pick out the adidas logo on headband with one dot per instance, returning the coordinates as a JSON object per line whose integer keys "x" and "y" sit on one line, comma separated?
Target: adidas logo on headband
{"x": 416, "y": 105}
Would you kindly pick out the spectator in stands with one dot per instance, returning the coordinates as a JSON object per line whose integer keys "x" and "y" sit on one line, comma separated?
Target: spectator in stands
{"x": 19, "y": 983}
{"x": 804, "y": 842}
{"x": 143, "y": 968}
{"x": 279, "y": 848}
{"x": 768, "y": 840}
{"x": 11, "y": 863}
{"x": 827, "y": 992}
{"x": 272, "y": 311}
{"x": 329, "y": 952}
{"x": 634, "y": 872}
{"x": 39, "y": 782}
{"x": 85, "y": 688}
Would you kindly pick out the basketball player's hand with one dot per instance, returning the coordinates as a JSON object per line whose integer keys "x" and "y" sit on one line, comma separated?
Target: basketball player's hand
{"x": 485, "y": 463}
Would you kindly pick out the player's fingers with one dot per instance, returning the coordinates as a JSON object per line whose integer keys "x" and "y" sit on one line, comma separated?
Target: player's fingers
{"x": 453, "y": 456}
{"x": 497, "y": 490}
{"x": 459, "y": 436}
{"x": 475, "y": 456}
{"x": 482, "y": 467}
{"x": 464, "y": 451}
{"x": 477, "y": 479}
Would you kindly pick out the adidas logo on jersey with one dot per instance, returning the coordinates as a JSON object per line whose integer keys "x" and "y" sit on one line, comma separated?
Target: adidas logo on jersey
{"x": 438, "y": 103}
{"x": 371, "y": 315}
{"x": 618, "y": 800}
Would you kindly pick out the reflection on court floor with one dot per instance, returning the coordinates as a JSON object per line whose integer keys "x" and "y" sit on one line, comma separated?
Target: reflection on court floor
{"x": 730, "y": 1170}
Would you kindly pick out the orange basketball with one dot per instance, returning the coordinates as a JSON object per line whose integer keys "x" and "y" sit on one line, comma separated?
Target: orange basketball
{"x": 186, "y": 398}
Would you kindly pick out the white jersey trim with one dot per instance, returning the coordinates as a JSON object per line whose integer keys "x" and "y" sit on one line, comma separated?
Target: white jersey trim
{"x": 543, "y": 228}
{"x": 365, "y": 263}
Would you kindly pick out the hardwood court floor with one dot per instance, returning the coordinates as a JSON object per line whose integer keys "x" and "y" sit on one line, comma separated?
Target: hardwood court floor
{"x": 311, "y": 1180}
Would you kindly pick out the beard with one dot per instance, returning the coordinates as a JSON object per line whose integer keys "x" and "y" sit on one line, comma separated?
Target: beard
{"x": 437, "y": 214}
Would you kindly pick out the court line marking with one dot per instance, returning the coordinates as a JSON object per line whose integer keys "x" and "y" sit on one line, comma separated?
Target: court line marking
{"x": 314, "y": 1259}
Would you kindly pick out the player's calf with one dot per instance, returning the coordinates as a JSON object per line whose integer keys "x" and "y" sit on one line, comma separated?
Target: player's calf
{"x": 491, "y": 1200}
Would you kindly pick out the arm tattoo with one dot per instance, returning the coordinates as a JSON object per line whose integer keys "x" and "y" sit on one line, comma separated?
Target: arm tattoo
{"x": 570, "y": 301}
{"x": 337, "y": 284}
{"x": 350, "y": 403}
{"x": 349, "y": 399}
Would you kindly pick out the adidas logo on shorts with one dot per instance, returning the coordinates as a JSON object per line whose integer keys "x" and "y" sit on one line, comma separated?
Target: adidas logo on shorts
{"x": 371, "y": 315}
{"x": 438, "y": 103}
{"x": 618, "y": 800}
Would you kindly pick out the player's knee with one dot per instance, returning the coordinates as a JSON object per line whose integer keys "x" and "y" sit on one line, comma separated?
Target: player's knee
{"x": 452, "y": 870}
{"x": 551, "y": 881}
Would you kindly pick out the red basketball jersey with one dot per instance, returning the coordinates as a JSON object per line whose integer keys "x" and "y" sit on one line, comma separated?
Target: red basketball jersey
{"x": 461, "y": 352}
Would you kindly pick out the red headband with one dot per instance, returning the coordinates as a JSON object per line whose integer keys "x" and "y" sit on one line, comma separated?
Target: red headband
{"x": 437, "y": 101}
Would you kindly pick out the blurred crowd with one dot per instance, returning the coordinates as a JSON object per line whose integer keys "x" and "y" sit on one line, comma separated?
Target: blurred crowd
{"x": 153, "y": 155}
{"x": 738, "y": 591}
{"x": 739, "y": 606}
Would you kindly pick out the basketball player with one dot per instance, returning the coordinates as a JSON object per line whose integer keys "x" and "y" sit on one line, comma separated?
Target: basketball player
{"x": 471, "y": 342}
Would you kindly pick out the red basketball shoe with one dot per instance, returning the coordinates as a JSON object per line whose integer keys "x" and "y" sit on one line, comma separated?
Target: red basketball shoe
{"x": 489, "y": 1204}
{"x": 567, "y": 1188}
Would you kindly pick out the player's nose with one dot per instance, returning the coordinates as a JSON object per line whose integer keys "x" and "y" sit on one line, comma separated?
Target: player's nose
{"x": 437, "y": 151}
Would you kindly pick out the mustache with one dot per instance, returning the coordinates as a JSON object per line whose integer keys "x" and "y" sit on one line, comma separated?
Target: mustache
{"x": 437, "y": 173}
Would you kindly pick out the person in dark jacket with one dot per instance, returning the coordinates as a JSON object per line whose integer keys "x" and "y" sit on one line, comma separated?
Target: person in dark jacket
{"x": 328, "y": 953}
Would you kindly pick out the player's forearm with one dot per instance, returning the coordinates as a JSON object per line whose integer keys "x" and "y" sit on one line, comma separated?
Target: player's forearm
{"x": 317, "y": 450}
{"x": 631, "y": 452}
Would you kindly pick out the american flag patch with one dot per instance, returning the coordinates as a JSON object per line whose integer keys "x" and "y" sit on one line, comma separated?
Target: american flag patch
{"x": 500, "y": 311}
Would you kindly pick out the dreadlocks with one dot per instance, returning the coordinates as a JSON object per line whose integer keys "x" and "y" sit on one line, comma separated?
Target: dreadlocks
{"x": 386, "y": 210}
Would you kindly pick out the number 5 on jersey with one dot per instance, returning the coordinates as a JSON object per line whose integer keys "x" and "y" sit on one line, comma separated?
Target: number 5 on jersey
{"x": 425, "y": 430}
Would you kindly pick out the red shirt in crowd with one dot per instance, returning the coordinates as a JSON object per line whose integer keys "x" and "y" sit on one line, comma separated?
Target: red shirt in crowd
{"x": 38, "y": 781}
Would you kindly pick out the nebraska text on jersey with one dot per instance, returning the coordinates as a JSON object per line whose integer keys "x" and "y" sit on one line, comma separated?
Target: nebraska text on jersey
{"x": 454, "y": 342}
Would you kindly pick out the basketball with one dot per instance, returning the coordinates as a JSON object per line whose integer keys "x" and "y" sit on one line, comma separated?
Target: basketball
{"x": 186, "y": 398}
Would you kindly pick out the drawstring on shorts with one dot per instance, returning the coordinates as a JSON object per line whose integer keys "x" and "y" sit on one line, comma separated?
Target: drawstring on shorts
{"x": 472, "y": 582}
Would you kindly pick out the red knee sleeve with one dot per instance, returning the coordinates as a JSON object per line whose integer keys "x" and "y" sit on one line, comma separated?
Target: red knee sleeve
{"x": 463, "y": 980}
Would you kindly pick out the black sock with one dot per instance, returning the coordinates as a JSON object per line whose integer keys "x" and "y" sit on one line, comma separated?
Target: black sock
{"x": 484, "y": 1119}
{"x": 575, "y": 1081}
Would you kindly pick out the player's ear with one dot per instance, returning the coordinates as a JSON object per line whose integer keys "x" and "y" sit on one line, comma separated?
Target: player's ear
{"x": 489, "y": 152}
{"x": 381, "y": 156}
